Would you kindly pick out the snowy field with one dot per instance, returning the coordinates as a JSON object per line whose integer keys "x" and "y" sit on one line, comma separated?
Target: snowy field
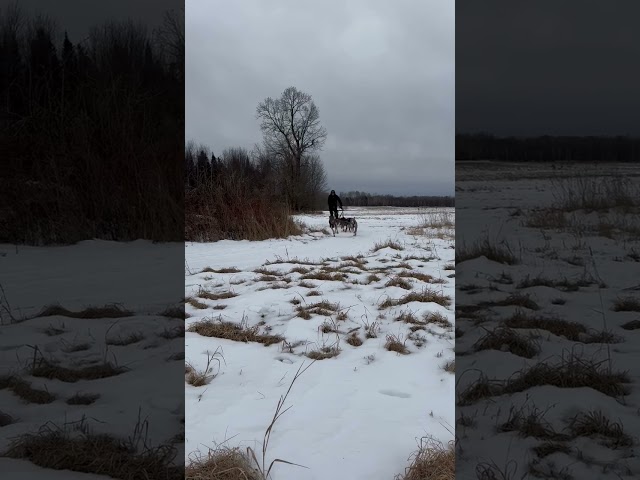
{"x": 72, "y": 368}
{"x": 548, "y": 321}
{"x": 258, "y": 311}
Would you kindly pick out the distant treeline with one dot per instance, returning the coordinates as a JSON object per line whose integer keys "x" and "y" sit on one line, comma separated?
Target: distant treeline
{"x": 547, "y": 148}
{"x": 92, "y": 131}
{"x": 362, "y": 199}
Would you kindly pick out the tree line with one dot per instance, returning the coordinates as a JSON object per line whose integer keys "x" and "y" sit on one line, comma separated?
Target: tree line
{"x": 547, "y": 148}
{"x": 362, "y": 199}
{"x": 93, "y": 130}
{"x": 242, "y": 194}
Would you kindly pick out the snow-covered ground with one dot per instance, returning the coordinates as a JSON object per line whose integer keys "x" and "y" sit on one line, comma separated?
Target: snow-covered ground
{"x": 353, "y": 416}
{"x": 145, "y": 343}
{"x": 537, "y": 391}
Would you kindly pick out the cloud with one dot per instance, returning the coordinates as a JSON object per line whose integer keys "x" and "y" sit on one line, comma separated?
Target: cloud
{"x": 381, "y": 73}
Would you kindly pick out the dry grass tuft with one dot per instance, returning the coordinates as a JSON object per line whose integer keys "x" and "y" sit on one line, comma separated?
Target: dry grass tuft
{"x": 596, "y": 424}
{"x": 25, "y": 391}
{"x": 324, "y": 308}
{"x": 626, "y": 304}
{"x": 432, "y": 461}
{"x": 325, "y": 276}
{"x": 562, "y": 328}
{"x": 107, "y": 311}
{"x": 241, "y": 332}
{"x": 354, "y": 340}
{"x": 98, "y": 454}
{"x": 501, "y": 253}
{"x": 450, "y": 366}
{"x": 399, "y": 282}
{"x": 221, "y": 270}
{"x": 223, "y": 463}
{"x": 394, "y": 343}
{"x": 83, "y": 399}
{"x": 216, "y": 296}
{"x": 71, "y": 375}
{"x": 387, "y": 244}
{"x": 427, "y": 295}
{"x": 632, "y": 325}
{"x": 505, "y": 339}
{"x": 306, "y": 284}
{"x": 196, "y": 304}
{"x": 314, "y": 293}
{"x": 417, "y": 275}
{"x": 438, "y": 319}
{"x": 323, "y": 353}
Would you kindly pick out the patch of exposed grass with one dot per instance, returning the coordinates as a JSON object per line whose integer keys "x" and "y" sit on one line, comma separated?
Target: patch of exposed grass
{"x": 500, "y": 253}
{"x": 632, "y": 325}
{"x": 450, "y": 366}
{"x": 546, "y": 218}
{"x": 216, "y": 296}
{"x": 98, "y": 454}
{"x": 241, "y": 332}
{"x": 597, "y": 424}
{"x": 427, "y": 295}
{"x": 399, "y": 282}
{"x": 417, "y": 275}
{"x": 626, "y": 304}
{"x": 372, "y": 279}
{"x": 323, "y": 307}
{"x": 557, "y": 326}
{"x": 314, "y": 293}
{"x": 438, "y": 319}
{"x": 514, "y": 300}
{"x": 196, "y": 304}
{"x": 354, "y": 340}
{"x": 221, "y": 270}
{"x": 432, "y": 461}
{"x": 300, "y": 270}
{"x": 306, "y": 284}
{"x": 530, "y": 422}
{"x": 266, "y": 278}
{"x": 394, "y": 343}
{"x": 223, "y": 463}
{"x": 325, "y": 276}
{"x": 323, "y": 353}
{"x": 571, "y": 373}
{"x": 25, "y": 391}
{"x": 83, "y": 399}
{"x": 563, "y": 284}
{"x": 106, "y": 311}
{"x": 389, "y": 243}
{"x": 505, "y": 339}
{"x": 72, "y": 375}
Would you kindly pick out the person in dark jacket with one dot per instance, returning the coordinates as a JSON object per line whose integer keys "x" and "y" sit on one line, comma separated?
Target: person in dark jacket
{"x": 333, "y": 201}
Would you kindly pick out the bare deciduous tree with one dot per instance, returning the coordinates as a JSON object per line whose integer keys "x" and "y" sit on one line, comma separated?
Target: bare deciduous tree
{"x": 291, "y": 130}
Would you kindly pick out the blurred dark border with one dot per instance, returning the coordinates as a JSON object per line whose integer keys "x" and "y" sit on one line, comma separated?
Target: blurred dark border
{"x": 540, "y": 86}
{"x": 92, "y": 142}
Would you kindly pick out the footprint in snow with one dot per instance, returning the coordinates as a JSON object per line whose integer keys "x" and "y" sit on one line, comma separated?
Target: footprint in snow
{"x": 395, "y": 393}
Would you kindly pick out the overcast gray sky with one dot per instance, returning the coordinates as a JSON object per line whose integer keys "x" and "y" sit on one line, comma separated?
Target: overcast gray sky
{"x": 381, "y": 73}
{"x": 548, "y": 67}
